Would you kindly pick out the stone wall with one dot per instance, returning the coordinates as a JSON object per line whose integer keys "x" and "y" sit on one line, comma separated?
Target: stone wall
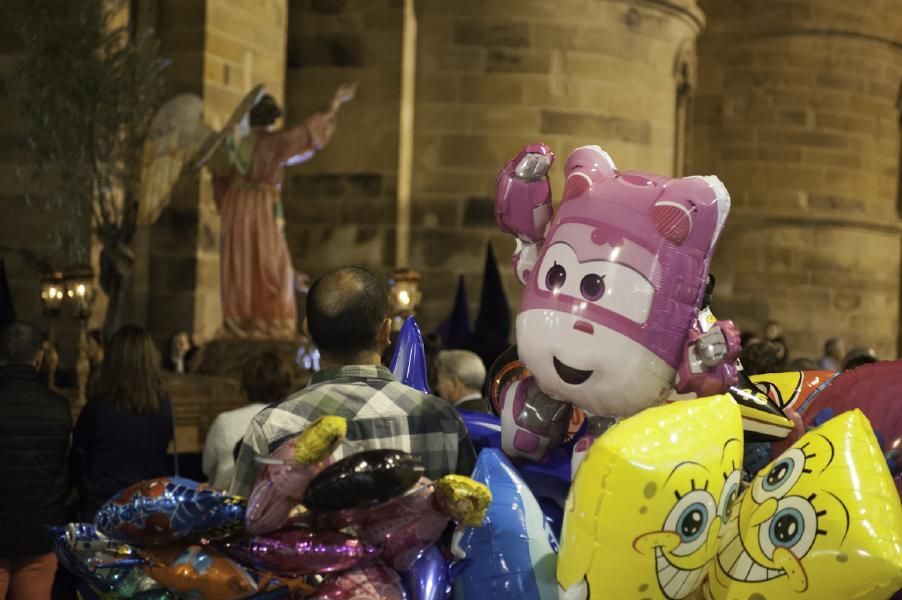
{"x": 340, "y": 206}
{"x": 491, "y": 77}
{"x": 797, "y": 111}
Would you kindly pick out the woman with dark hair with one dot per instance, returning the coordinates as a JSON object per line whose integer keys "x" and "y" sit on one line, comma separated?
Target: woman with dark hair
{"x": 266, "y": 379}
{"x": 123, "y": 432}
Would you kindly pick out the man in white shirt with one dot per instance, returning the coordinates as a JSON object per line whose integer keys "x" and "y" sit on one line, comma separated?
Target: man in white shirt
{"x": 266, "y": 379}
{"x": 461, "y": 375}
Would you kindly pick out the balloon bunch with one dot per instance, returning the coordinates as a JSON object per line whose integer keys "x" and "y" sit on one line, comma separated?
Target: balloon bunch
{"x": 659, "y": 509}
{"x": 153, "y": 541}
{"x": 364, "y": 519}
{"x": 371, "y": 504}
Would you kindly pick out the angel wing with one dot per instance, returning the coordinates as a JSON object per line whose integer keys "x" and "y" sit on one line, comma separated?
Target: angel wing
{"x": 175, "y": 135}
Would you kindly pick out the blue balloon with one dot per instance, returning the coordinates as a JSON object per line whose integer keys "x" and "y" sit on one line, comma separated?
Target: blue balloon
{"x": 428, "y": 578}
{"x": 514, "y": 554}
{"x": 107, "y": 566}
{"x": 408, "y": 365}
{"x": 549, "y": 480}
{"x": 484, "y": 428}
{"x": 160, "y": 511}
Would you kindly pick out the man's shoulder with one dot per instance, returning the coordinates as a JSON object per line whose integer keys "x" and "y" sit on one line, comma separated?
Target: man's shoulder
{"x": 33, "y": 391}
{"x": 358, "y": 398}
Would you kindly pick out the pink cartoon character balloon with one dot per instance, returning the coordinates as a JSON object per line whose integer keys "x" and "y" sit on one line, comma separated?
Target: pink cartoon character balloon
{"x": 614, "y": 280}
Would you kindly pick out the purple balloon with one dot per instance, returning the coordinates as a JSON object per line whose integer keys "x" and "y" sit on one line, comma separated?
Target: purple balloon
{"x": 428, "y": 578}
{"x": 408, "y": 365}
{"x": 404, "y": 527}
{"x": 300, "y": 551}
{"x": 376, "y": 582}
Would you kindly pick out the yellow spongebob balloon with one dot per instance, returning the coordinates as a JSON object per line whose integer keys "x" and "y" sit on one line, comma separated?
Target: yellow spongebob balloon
{"x": 821, "y": 521}
{"x": 644, "y": 511}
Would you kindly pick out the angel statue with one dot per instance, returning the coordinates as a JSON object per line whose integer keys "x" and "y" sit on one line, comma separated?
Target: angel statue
{"x": 247, "y": 159}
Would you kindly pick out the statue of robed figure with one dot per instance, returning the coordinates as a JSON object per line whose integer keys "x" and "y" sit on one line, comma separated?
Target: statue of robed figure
{"x": 247, "y": 158}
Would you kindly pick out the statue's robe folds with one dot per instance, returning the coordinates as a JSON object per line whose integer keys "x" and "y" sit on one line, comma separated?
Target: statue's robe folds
{"x": 258, "y": 279}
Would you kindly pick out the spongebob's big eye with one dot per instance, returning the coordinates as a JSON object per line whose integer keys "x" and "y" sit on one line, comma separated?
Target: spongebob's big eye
{"x": 793, "y": 526}
{"x": 690, "y": 518}
{"x": 780, "y": 477}
{"x": 728, "y": 496}
{"x": 555, "y": 278}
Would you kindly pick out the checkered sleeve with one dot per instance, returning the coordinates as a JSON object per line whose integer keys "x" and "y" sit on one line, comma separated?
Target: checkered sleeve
{"x": 253, "y": 445}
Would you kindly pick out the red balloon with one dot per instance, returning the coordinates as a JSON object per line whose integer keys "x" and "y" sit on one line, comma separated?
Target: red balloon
{"x": 875, "y": 389}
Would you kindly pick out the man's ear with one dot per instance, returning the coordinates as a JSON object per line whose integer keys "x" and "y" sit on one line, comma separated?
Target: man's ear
{"x": 38, "y": 359}
{"x": 384, "y": 335}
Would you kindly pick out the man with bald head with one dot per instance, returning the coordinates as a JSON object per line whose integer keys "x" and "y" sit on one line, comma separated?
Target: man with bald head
{"x": 348, "y": 318}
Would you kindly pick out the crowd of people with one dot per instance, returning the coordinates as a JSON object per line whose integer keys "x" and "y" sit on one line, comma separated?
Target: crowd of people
{"x": 768, "y": 352}
{"x": 53, "y": 473}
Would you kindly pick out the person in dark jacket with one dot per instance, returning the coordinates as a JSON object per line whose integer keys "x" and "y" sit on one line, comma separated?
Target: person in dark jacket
{"x": 35, "y": 426}
{"x": 123, "y": 433}
{"x": 461, "y": 375}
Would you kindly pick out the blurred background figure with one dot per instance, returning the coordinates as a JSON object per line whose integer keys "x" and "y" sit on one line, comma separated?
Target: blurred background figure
{"x": 35, "y": 424}
{"x": 773, "y": 331}
{"x": 857, "y": 356}
{"x": 461, "y": 376}
{"x": 124, "y": 430}
{"x": 763, "y": 357}
{"x": 178, "y": 353}
{"x": 747, "y": 338}
{"x": 266, "y": 379}
{"x": 802, "y": 364}
{"x": 834, "y": 351}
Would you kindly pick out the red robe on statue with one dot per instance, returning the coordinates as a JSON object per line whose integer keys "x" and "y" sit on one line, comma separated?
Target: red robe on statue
{"x": 258, "y": 280}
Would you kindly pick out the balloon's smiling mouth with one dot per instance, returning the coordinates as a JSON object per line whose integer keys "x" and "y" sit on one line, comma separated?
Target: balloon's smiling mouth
{"x": 674, "y": 581}
{"x": 570, "y": 375}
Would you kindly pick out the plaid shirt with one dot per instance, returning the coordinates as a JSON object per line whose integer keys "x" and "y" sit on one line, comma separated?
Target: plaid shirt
{"x": 381, "y": 413}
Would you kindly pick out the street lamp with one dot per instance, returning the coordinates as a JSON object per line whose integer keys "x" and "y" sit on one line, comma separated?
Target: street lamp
{"x": 405, "y": 295}
{"x": 53, "y": 287}
{"x": 80, "y": 296}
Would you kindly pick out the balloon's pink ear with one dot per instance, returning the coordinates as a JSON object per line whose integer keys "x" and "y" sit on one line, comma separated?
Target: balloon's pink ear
{"x": 673, "y": 220}
{"x": 585, "y": 166}
{"x": 577, "y": 184}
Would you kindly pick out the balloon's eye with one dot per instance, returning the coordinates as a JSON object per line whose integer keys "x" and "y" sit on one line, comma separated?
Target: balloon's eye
{"x": 691, "y": 519}
{"x": 556, "y": 277}
{"x": 778, "y": 474}
{"x": 592, "y": 287}
{"x": 793, "y": 527}
{"x": 692, "y": 522}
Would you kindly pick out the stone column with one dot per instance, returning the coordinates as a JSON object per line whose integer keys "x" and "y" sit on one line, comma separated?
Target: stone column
{"x": 495, "y": 75}
{"x": 797, "y": 111}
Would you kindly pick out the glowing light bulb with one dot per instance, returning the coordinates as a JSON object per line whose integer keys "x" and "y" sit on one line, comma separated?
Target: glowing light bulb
{"x": 404, "y": 297}
{"x": 81, "y": 289}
